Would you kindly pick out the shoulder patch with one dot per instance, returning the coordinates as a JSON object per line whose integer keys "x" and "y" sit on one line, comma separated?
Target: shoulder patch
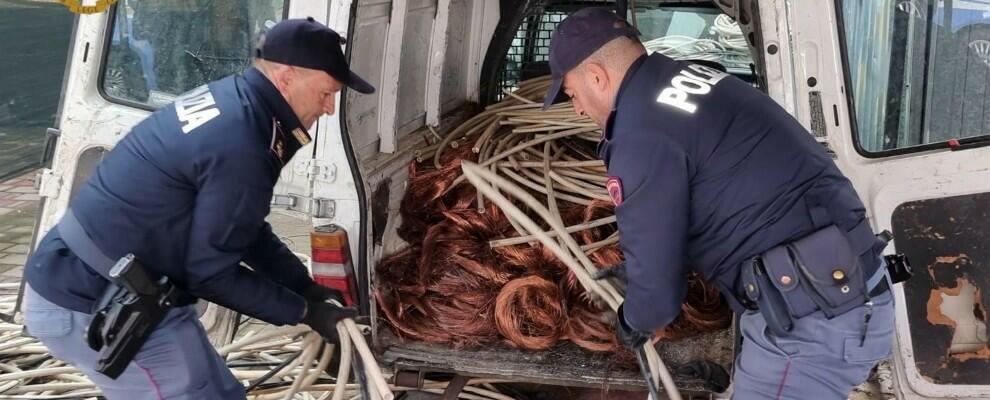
{"x": 278, "y": 142}
{"x": 614, "y": 187}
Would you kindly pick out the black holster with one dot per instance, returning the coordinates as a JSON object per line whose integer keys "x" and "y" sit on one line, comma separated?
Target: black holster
{"x": 129, "y": 310}
{"x": 829, "y": 270}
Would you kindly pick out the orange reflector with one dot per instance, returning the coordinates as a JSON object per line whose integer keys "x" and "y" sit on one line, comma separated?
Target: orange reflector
{"x": 328, "y": 237}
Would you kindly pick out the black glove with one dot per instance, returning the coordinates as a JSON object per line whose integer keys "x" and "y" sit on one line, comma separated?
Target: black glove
{"x": 714, "y": 376}
{"x": 628, "y": 336}
{"x": 316, "y": 292}
{"x": 615, "y": 274}
{"x": 323, "y": 318}
{"x": 617, "y": 271}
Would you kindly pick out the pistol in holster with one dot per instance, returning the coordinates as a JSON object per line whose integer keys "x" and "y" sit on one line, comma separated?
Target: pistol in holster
{"x": 129, "y": 310}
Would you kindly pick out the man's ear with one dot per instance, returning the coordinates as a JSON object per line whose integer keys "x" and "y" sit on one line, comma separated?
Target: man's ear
{"x": 597, "y": 76}
{"x": 282, "y": 78}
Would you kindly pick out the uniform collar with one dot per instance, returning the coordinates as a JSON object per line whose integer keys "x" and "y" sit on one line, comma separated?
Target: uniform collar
{"x": 288, "y": 134}
{"x": 277, "y": 105}
{"x": 607, "y": 130}
{"x": 633, "y": 68}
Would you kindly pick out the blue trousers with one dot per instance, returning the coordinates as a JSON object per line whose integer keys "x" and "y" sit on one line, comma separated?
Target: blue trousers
{"x": 819, "y": 359}
{"x": 177, "y": 361}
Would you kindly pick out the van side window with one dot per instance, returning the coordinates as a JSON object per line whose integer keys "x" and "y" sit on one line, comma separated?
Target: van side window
{"x": 157, "y": 50}
{"x": 919, "y": 72}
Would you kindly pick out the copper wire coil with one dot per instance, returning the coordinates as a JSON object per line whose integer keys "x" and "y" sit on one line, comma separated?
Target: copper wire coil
{"x": 529, "y": 312}
{"x": 590, "y": 327}
{"x": 451, "y": 286}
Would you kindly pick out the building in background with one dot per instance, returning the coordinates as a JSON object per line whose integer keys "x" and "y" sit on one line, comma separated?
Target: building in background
{"x": 36, "y": 37}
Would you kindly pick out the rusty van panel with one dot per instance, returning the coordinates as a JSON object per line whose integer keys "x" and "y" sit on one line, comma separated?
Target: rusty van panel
{"x": 946, "y": 240}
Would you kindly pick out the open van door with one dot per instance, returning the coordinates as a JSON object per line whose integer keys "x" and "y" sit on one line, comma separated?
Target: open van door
{"x": 902, "y": 89}
{"x": 139, "y": 56}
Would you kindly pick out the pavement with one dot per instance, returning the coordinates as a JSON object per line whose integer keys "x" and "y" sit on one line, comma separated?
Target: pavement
{"x": 19, "y": 202}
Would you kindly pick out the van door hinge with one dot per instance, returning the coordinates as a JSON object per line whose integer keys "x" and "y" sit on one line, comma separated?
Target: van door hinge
{"x": 49, "y": 183}
{"x": 318, "y": 208}
{"x": 322, "y": 173}
{"x": 288, "y": 201}
{"x": 314, "y": 169}
{"x": 323, "y": 208}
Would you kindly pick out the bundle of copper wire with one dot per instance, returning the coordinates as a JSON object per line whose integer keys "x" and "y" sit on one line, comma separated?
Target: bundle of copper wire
{"x": 467, "y": 278}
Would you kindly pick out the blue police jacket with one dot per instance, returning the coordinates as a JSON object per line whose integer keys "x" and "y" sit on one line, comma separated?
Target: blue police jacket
{"x": 187, "y": 191}
{"x": 707, "y": 171}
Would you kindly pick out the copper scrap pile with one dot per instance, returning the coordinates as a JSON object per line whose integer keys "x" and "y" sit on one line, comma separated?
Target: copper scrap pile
{"x": 467, "y": 278}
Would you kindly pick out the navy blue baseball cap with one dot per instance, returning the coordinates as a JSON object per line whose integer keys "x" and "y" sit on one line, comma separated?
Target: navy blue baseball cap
{"x": 577, "y": 37}
{"x": 310, "y": 44}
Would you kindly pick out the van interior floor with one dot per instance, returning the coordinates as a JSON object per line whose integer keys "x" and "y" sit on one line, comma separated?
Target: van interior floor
{"x": 565, "y": 364}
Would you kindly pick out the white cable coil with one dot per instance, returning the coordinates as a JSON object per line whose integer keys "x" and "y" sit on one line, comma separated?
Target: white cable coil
{"x": 730, "y": 49}
{"x": 28, "y": 372}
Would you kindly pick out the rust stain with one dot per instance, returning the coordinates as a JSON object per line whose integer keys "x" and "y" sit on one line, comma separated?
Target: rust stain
{"x": 983, "y": 354}
{"x": 948, "y": 259}
{"x": 945, "y": 235}
{"x": 935, "y": 316}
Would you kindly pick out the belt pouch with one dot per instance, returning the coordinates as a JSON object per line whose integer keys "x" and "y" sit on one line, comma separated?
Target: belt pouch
{"x": 818, "y": 271}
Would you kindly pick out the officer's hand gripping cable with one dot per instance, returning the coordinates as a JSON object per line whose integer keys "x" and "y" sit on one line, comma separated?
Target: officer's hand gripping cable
{"x": 637, "y": 342}
{"x": 714, "y": 376}
{"x": 616, "y": 275}
{"x": 317, "y": 292}
{"x": 323, "y": 317}
{"x": 334, "y": 322}
{"x": 131, "y": 307}
{"x": 629, "y": 337}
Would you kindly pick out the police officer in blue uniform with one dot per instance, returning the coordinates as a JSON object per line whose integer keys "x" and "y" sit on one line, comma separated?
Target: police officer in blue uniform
{"x": 710, "y": 174}
{"x": 187, "y": 192}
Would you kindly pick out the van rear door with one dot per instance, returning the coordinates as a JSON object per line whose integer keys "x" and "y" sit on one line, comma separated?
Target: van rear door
{"x": 137, "y": 57}
{"x": 901, "y": 90}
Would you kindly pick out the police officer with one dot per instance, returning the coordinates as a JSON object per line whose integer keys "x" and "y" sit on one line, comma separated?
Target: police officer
{"x": 187, "y": 192}
{"x": 710, "y": 174}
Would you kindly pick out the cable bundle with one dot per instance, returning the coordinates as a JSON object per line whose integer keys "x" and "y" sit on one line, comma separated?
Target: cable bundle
{"x": 276, "y": 363}
{"x": 470, "y": 277}
{"x": 273, "y": 362}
